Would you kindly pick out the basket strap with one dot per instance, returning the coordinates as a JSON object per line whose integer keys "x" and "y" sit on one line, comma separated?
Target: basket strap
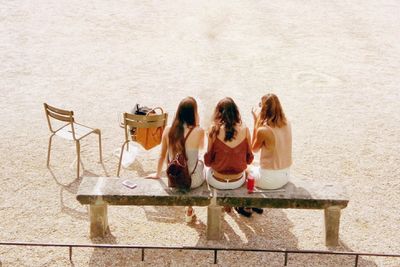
{"x": 159, "y": 108}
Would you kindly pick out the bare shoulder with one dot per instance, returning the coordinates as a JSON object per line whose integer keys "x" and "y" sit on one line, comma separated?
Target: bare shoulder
{"x": 264, "y": 131}
{"x": 199, "y": 131}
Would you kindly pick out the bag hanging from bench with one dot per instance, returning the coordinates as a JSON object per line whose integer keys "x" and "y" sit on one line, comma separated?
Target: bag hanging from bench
{"x": 178, "y": 170}
{"x": 147, "y": 137}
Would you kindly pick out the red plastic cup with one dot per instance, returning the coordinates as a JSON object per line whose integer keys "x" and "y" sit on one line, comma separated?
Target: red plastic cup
{"x": 250, "y": 184}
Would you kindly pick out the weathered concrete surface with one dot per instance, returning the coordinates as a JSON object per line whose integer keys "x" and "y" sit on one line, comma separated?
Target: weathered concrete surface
{"x": 332, "y": 223}
{"x": 100, "y": 191}
{"x": 296, "y": 195}
{"x": 214, "y": 224}
{"x": 149, "y": 192}
{"x": 98, "y": 219}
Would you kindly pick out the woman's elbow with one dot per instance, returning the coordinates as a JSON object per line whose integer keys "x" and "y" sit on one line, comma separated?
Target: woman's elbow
{"x": 255, "y": 148}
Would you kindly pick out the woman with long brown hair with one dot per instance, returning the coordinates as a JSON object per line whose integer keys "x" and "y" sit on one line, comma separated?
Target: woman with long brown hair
{"x": 185, "y": 126}
{"x": 273, "y": 136}
{"x": 229, "y": 147}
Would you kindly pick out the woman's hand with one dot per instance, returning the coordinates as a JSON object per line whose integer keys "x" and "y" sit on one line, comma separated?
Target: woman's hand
{"x": 153, "y": 176}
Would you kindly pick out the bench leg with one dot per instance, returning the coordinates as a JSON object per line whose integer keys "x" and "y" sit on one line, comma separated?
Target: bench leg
{"x": 214, "y": 213}
{"x": 98, "y": 220}
{"x": 332, "y": 219}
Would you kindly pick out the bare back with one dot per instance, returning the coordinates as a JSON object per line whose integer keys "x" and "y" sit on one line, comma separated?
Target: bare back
{"x": 276, "y": 153}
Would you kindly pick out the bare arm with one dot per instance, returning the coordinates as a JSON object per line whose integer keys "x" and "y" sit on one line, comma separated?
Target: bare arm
{"x": 201, "y": 141}
{"x": 259, "y": 138}
{"x": 210, "y": 138}
{"x": 248, "y": 136}
{"x": 163, "y": 153}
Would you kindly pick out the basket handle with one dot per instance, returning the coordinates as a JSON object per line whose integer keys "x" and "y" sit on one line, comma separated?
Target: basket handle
{"x": 159, "y": 108}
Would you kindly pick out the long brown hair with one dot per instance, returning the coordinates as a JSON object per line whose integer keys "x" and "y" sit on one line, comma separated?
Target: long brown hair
{"x": 226, "y": 113}
{"x": 271, "y": 112}
{"x": 186, "y": 113}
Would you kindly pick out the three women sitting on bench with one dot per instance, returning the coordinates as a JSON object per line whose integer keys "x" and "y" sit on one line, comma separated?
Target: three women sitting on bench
{"x": 230, "y": 146}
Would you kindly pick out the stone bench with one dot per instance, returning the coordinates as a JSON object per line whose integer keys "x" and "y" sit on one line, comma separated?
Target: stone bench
{"x": 297, "y": 194}
{"x": 98, "y": 192}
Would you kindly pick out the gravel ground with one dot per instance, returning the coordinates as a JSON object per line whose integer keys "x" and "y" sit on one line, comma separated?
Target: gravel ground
{"x": 333, "y": 64}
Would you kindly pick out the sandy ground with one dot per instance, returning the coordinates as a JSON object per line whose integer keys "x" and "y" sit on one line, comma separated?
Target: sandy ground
{"x": 334, "y": 64}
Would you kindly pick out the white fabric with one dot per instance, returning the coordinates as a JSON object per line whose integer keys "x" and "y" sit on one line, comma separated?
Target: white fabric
{"x": 224, "y": 185}
{"x": 270, "y": 179}
{"x": 198, "y": 176}
{"x": 80, "y": 131}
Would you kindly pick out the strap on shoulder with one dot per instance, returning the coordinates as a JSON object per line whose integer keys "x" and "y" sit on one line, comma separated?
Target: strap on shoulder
{"x": 190, "y": 131}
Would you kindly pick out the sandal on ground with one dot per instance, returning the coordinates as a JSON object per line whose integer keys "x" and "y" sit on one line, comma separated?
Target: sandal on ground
{"x": 244, "y": 211}
{"x": 190, "y": 216}
{"x": 258, "y": 210}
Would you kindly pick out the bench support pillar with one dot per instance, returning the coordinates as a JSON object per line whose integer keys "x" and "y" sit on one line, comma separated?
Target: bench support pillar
{"x": 332, "y": 219}
{"x": 214, "y": 213}
{"x": 98, "y": 219}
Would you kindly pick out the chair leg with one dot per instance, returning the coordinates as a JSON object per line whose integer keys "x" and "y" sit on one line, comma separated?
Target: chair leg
{"x": 120, "y": 157}
{"x": 78, "y": 153}
{"x": 48, "y": 150}
{"x": 100, "y": 150}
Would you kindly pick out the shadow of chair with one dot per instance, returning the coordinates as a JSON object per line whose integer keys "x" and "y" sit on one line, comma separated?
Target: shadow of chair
{"x": 69, "y": 130}
{"x": 132, "y": 124}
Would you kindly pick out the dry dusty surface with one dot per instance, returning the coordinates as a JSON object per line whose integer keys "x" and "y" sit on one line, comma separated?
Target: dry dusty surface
{"x": 334, "y": 64}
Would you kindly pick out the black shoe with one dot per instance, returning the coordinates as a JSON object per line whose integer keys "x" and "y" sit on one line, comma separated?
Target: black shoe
{"x": 258, "y": 210}
{"x": 243, "y": 212}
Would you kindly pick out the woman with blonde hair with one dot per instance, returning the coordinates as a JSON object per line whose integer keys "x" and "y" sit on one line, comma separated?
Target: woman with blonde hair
{"x": 273, "y": 136}
{"x": 184, "y": 132}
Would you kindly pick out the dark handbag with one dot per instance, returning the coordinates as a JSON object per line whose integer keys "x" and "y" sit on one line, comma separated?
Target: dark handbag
{"x": 178, "y": 170}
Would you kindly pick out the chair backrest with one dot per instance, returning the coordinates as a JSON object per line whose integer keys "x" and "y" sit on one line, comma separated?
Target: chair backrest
{"x": 143, "y": 121}
{"x": 66, "y": 116}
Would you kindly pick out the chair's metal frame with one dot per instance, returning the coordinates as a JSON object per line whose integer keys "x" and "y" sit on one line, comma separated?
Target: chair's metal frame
{"x": 68, "y": 117}
{"x": 140, "y": 121}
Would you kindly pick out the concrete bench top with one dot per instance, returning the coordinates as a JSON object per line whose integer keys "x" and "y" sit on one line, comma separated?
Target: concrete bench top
{"x": 149, "y": 192}
{"x": 296, "y": 194}
{"x": 155, "y": 192}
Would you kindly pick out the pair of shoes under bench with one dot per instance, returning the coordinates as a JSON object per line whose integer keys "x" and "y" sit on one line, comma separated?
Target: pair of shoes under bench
{"x": 243, "y": 211}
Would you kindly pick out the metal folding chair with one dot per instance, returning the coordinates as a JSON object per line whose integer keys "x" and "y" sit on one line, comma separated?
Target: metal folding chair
{"x": 69, "y": 130}
{"x": 139, "y": 121}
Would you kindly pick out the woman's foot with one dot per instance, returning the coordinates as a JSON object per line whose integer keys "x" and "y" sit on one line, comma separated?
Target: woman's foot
{"x": 246, "y": 212}
{"x": 258, "y": 210}
{"x": 190, "y": 216}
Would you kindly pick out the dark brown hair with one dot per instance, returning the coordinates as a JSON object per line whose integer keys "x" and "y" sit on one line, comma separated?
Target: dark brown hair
{"x": 226, "y": 113}
{"x": 271, "y": 112}
{"x": 186, "y": 113}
